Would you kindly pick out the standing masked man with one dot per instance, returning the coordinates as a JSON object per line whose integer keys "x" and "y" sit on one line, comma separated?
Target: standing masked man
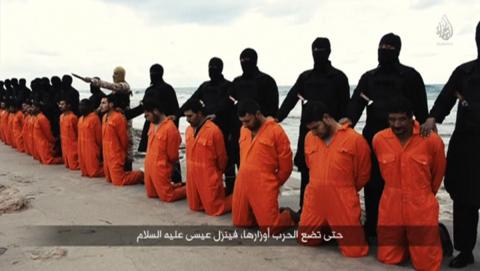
{"x": 251, "y": 85}
{"x": 462, "y": 178}
{"x": 389, "y": 80}
{"x": 323, "y": 83}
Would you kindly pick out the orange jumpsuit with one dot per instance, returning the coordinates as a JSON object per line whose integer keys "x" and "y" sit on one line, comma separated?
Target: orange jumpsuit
{"x": 31, "y": 139}
{"x": 337, "y": 172}
{"x": 68, "y": 139}
{"x": 9, "y": 130}
{"x": 206, "y": 162}
{"x": 265, "y": 164}
{"x": 44, "y": 141}
{"x": 3, "y": 114}
{"x": 161, "y": 157}
{"x": 26, "y": 146}
{"x": 18, "y": 120}
{"x": 90, "y": 145}
{"x": 408, "y": 211}
{"x": 115, "y": 147}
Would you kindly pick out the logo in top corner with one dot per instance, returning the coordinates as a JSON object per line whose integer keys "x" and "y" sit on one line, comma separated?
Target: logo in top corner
{"x": 444, "y": 28}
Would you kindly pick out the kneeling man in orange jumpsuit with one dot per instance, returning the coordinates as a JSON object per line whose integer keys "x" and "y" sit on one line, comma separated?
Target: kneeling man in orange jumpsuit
{"x": 265, "y": 164}
{"x": 18, "y": 120}
{"x": 68, "y": 133}
{"x": 162, "y": 154}
{"x": 339, "y": 162}
{"x": 412, "y": 167}
{"x": 206, "y": 162}
{"x": 26, "y": 127}
{"x": 3, "y": 117}
{"x": 115, "y": 144}
{"x": 89, "y": 141}
{"x": 11, "y": 116}
{"x": 43, "y": 140}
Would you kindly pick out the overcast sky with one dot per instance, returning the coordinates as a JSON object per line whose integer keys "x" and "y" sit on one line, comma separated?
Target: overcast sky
{"x": 91, "y": 37}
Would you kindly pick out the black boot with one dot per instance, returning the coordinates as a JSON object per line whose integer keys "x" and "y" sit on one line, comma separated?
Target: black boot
{"x": 463, "y": 259}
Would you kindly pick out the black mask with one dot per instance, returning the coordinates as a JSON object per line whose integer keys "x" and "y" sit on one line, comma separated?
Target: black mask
{"x": 248, "y": 61}
{"x": 388, "y": 57}
{"x": 56, "y": 82}
{"x": 320, "y": 52}
{"x": 215, "y": 68}
{"x": 156, "y": 73}
{"x": 67, "y": 81}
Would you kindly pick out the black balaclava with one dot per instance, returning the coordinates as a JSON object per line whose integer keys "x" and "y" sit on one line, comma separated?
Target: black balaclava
{"x": 320, "y": 52}
{"x": 215, "y": 68}
{"x": 67, "y": 81}
{"x": 388, "y": 57}
{"x": 56, "y": 83}
{"x": 8, "y": 88}
{"x": 22, "y": 82}
{"x": 8, "y": 84}
{"x": 45, "y": 84}
{"x": 14, "y": 82}
{"x": 477, "y": 39}
{"x": 248, "y": 61}
{"x": 156, "y": 74}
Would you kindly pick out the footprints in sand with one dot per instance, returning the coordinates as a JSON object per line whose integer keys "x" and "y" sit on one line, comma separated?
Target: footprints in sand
{"x": 11, "y": 200}
{"x": 17, "y": 178}
{"x": 42, "y": 254}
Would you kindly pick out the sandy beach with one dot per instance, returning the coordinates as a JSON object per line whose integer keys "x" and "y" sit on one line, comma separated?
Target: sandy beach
{"x": 56, "y": 196}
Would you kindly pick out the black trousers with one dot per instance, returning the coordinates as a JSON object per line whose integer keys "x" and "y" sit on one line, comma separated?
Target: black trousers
{"x": 373, "y": 192}
{"x": 465, "y": 223}
{"x": 233, "y": 153}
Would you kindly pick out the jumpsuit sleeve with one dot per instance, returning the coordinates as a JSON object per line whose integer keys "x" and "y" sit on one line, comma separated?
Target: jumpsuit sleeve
{"x": 446, "y": 99}
{"x": 284, "y": 153}
{"x": 362, "y": 163}
{"x": 439, "y": 163}
{"x": 121, "y": 126}
{"x": 375, "y": 145}
{"x": 98, "y": 131}
{"x": 308, "y": 142}
{"x": 75, "y": 126}
{"x": 173, "y": 144}
{"x": 290, "y": 101}
{"x": 357, "y": 103}
{"x": 45, "y": 127}
{"x": 220, "y": 150}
